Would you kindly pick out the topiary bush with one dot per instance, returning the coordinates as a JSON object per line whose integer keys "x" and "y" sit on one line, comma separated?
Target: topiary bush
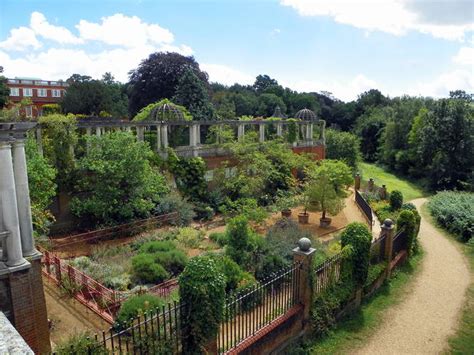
{"x": 202, "y": 289}
{"x": 396, "y": 200}
{"x": 134, "y": 306}
{"x": 146, "y": 270}
{"x": 358, "y": 236}
{"x": 239, "y": 236}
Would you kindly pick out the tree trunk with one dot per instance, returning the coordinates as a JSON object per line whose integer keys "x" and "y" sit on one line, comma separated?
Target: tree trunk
{"x": 324, "y": 214}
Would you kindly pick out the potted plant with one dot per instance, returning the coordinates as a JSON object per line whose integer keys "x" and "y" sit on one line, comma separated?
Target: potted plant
{"x": 303, "y": 217}
{"x": 322, "y": 197}
{"x": 284, "y": 204}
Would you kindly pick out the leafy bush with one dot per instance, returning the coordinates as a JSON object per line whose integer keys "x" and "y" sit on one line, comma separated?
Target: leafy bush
{"x": 190, "y": 237}
{"x": 383, "y": 211}
{"x": 134, "y": 306}
{"x": 146, "y": 270}
{"x": 155, "y": 246}
{"x": 455, "y": 212}
{"x": 203, "y": 211}
{"x": 396, "y": 200}
{"x": 406, "y": 221}
{"x": 202, "y": 289}
{"x": 239, "y": 236}
{"x": 232, "y": 272}
{"x": 173, "y": 261}
{"x": 173, "y": 202}
{"x": 82, "y": 343}
{"x": 219, "y": 237}
{"x": 358, "y": 236}
{"x": 247, "y": 207}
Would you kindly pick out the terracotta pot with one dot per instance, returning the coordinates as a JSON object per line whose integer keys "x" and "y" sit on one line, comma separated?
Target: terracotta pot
{"x": 303, "y": 218}
{"x": 286, "y": 213}
{"x": 324, "y": 222}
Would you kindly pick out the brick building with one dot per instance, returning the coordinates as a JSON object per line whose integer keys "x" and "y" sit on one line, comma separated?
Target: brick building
{"x": 41, "y": 92}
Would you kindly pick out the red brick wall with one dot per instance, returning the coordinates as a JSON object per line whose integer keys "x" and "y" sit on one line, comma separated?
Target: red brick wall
{"x": 29, "y": 313}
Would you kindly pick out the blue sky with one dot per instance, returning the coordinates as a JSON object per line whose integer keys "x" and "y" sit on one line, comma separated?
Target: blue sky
{"x": 398, "y": 46}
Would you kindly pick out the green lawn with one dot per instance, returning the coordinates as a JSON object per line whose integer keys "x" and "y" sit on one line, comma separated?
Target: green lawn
{"x": 382, "y": 177}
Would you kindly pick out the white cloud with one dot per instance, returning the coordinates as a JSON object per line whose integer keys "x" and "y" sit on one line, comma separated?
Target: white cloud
{"x": 465, "y": 56}
{"x": 124, "y": 31}
{"x": 441, "y": 19}
{"x": 20, "y": 39}
{"x": 444, "y": 83}
{"x": 227, "y": 75}
{"x": 43, "y": 28}
{"x": 275, "y": 32}
{"x": 346, "y": 90}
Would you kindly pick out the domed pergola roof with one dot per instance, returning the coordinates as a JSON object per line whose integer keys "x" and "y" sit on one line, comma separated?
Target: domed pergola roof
{"x": 306, "y": 115}
{"x": 166, "y": 112}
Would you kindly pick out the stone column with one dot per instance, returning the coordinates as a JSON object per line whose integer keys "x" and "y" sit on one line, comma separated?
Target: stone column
{"x": 88, "y": 134}
{"x": 279, "y": 130}
{"x": 240, "y": 131}
{"x": 261, "y": 130}
{"x": 23, "y": 198}
{"x": 164, "y": 136}
{"x": 158, "y": 138}
{"x": 97, "y": 131}
{"x": 198, "y": 134}
{"x": 39, "y": 140}
{"x": 357, "y": 182}
{"x": 140, "y": 133}
{"x": 9, "y": 208}
{"x": 322, "y": 133}
{"x": 309, "y": 132}
{"x": 192, "y": 135}
{"x": 304, "y": 254}
{"x": 388, "y": 229}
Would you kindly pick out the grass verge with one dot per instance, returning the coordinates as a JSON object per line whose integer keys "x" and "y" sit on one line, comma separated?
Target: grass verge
{"x": 462, "y": 342}
{"x": 409, "y": 190}
{"x": 354, "y": 330}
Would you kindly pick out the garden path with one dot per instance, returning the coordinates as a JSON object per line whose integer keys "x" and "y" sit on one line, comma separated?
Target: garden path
{"x": 422, "y": 323}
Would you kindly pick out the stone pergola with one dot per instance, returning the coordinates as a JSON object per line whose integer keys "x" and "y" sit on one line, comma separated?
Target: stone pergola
{"x": 16, "y": 229}
{"x": 162, "y": 129}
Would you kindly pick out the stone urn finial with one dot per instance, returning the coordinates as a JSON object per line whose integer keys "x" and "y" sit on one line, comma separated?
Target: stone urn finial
{"x": 304, "y": 244}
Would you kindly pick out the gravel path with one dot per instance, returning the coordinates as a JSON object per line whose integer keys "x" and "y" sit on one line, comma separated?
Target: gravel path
{"x": 422, "y": 323}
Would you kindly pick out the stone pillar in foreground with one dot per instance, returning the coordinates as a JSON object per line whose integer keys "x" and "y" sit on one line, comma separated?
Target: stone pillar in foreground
{"x": 304, "y": 254}
{"x": 9, "y": 208}
{"x": 23, "y": 198}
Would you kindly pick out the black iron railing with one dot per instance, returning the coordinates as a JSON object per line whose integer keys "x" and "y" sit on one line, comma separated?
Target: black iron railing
{"x": 364, "y": 207}
{"x": 248, "y": 312}
{"x": 377, "y": 250}
{"x": 399, "y": 243}
{"x": 327, "y": 273}
{"x": 155, "y": 332}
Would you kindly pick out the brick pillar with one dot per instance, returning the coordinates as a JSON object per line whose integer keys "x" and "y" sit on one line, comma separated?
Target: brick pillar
{"x": 304, "y": 254}
{"x": 383, "y": 192}
{"x": 388, "y": 229}
{"x": 357, "y": 182}
{"x": 370, "y": 184}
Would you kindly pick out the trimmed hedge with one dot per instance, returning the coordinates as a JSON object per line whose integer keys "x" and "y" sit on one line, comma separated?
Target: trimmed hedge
{"x": 134, "y": 306}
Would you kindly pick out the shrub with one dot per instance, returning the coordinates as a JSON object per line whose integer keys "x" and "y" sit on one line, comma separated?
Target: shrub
{"x": 146, "y": 270}
{"x": 174, "y": 261}
{"x": 134, "y": 306}
{"x": 202, "y": 289}
{"x": 190, "y": 237}
{"x": 358, "y": 236}
{"x": 247, "y": 207}
{"x": 396, "y": 200}
{"x": 230, "y": 269}
{"x": 155, "y": 246}
{"x": 219, "y": 237}
{"x": 239, "y": 236}
{"x": 82, "y": 343}
{"x": 173, "y": 202}
{"x": 203, "y": 211}
{"x": 455, "y": 212}
{"x": 270, "y": 264}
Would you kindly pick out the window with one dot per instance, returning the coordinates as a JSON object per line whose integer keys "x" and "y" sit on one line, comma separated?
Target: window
{"x": 27, "y": 92}
{"x": 56, "y": 93}
{"x": 42, "y": 92}
{"x": 29, "y": 111}
{"x": 14, "y": 92}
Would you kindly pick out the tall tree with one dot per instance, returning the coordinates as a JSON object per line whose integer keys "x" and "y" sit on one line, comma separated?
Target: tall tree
{"x": 4, "y": 90}
{"x": 263, "y": 82}
{"x": 157, "y": 77}
{"x": 192, "y": 93}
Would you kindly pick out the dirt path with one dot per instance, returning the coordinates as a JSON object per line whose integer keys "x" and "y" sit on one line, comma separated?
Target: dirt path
{"x": 422, "y": 323}
{"x": 68, "y": 316}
